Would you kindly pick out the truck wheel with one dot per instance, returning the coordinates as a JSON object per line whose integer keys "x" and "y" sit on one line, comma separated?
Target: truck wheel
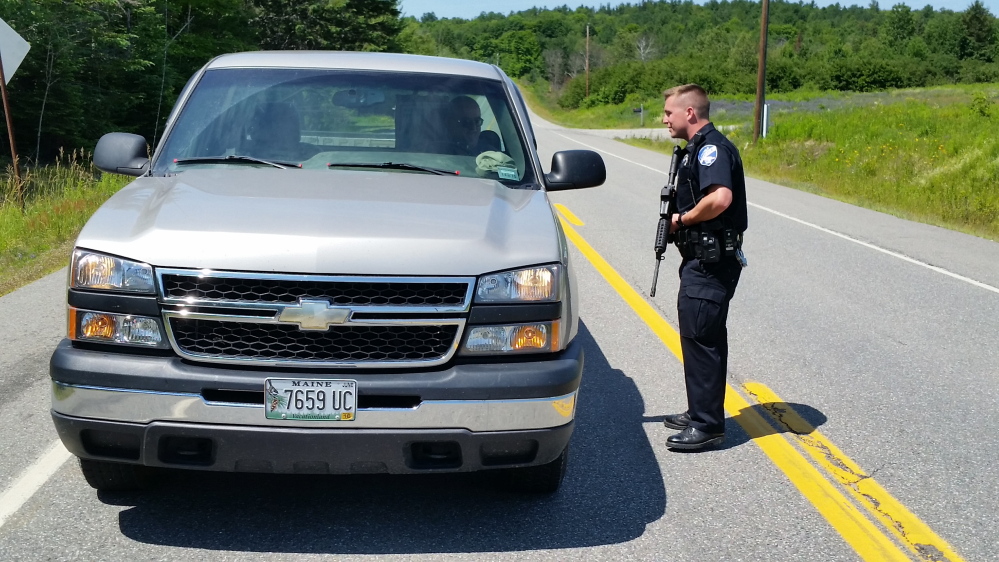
{"x": 115, "y": 476}
{"x": 541, "y": 479}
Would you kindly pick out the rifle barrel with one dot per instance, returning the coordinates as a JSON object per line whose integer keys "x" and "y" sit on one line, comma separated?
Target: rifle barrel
{"x": 655, "y": 278}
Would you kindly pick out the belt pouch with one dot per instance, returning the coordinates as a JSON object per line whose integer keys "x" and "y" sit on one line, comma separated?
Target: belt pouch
{"x": 708, "y": 249}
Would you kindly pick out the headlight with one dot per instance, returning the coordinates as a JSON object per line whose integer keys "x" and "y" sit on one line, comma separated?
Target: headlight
{"x": 104, "y": 327}
{"x": 91, "y": 270}
{"x": 517, "y": 338}
{"x": 535, "y": 284}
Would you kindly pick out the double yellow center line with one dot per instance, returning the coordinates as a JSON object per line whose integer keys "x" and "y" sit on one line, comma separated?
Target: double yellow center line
{"x": 869, "y": 540}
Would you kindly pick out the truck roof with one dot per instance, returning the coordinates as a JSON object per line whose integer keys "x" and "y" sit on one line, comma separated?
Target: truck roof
{"x": 392, "y": 62}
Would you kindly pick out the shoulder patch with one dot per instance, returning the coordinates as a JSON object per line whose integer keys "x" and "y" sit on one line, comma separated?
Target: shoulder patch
{"x": 707, "y": 155}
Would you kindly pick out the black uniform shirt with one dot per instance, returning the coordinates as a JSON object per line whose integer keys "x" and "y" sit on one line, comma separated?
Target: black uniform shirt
{"x": 712, "y": 160}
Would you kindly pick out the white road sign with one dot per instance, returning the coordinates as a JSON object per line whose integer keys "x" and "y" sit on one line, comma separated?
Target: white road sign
{"x": 13, "y": 48}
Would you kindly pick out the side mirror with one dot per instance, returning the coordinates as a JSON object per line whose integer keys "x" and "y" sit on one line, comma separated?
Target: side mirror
{"x": 575, "y": 169}
{"x": 122, "y": 153}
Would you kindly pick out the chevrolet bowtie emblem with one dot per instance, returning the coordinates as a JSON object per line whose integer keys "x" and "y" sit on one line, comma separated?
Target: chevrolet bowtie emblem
{"x": 312, "y": 314}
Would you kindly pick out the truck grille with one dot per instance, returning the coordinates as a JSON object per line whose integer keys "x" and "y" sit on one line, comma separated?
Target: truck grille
{"x": 344, "y": 293}
{"x": 314, "y": 320}
{"x": 283, "y": 342}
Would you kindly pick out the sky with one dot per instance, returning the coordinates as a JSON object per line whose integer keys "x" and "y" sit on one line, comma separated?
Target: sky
{"x": 471, "y": 8}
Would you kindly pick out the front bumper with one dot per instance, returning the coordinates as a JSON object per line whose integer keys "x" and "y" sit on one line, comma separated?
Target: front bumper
{"x": 162, "y": 411}
{"x": 476, "y": 397}
{"x": 308, "y": 451}
{"x": 144, "y": 407}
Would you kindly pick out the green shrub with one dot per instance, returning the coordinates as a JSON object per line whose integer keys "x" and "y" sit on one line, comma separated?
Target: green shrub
{"x": 60, "y": 199}
{"x": 981, "y": 104}
{"x": 865, "y": 75}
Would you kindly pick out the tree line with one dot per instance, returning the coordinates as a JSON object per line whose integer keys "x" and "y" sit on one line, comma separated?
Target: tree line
{"x": 117, "y": 65}
{"x": 639, "y": 49}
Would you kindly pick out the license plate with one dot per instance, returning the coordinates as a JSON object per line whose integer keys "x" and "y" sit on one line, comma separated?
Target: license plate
{"x": 311, "y": 399}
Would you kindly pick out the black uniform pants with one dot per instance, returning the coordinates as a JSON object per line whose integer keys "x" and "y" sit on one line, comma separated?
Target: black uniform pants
{"x": 702, "y": 309}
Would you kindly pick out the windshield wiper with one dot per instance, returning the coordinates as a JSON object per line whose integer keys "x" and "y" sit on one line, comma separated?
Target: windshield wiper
{"x": 394, "y": 166}
{"x": 236, "y": 159}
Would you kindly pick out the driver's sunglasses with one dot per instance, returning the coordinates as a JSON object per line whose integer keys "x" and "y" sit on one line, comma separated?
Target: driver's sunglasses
{"x": 470, "y": 122}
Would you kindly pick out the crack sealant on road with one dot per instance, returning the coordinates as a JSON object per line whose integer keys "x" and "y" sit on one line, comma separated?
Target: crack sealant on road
{"x": 915, "y": 534}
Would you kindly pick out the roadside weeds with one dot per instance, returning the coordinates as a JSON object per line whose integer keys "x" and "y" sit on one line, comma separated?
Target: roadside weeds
{"x": 60, "y": 198}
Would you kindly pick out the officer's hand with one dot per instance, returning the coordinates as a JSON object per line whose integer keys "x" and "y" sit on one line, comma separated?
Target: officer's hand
{"x": 673, "y": 225}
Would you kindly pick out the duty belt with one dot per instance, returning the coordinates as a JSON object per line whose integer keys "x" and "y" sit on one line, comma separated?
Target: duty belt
{"x": 708, "y": 244}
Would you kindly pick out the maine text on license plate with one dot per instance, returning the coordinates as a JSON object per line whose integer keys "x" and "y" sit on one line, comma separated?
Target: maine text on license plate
{"x": 310, "y": 399}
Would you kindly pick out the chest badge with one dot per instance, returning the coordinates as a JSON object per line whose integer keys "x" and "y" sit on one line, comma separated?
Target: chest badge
{"x": 707, "y": 155}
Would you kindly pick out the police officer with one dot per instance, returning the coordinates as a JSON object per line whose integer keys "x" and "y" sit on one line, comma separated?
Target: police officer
{"x": 711, "y": 199}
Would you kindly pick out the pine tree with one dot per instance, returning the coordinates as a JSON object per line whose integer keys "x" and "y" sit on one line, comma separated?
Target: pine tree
{"x": 979, "y": 38}
{"x": 348, "y": 25}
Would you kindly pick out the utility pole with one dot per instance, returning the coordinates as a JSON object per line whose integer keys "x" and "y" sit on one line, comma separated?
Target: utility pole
{"x": 761, "y": 73}
{"x": 10, "y": 133}
{"x": 586, "y": 63}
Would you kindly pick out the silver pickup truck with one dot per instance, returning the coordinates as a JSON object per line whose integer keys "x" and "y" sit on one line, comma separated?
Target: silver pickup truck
{"x": 333, "y": 263}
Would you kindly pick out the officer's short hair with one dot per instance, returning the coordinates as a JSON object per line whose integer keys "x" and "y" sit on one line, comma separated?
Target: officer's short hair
{"x": 695, "y": 96}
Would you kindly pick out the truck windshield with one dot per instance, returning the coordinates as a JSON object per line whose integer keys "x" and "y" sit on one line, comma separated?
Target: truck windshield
{"x": 316, "y": 117}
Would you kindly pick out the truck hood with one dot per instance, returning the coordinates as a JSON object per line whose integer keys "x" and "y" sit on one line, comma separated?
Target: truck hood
{"x": 324, "y": 221}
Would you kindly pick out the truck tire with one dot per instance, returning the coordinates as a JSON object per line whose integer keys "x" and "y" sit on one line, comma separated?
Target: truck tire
{"x": 115, "y": 476}
{"x": 541, "y": 479}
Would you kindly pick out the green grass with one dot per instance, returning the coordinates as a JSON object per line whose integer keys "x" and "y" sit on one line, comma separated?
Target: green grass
{"x": 623, "y": 116}
{"x": 60, "y": 199}
{"x": 619, "y": 116}
{"x": 926, "y": 155}
{"x": 736, "y": 109}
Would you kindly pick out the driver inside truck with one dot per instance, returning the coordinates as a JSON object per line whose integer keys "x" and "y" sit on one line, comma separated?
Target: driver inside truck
{"x": 463, "y": 125}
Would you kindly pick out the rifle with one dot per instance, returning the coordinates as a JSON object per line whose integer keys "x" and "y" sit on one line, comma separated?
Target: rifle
{"x": 667, "y": 208}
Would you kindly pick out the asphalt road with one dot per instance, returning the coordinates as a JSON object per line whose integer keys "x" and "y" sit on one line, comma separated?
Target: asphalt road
{"x": 878, "y": 331}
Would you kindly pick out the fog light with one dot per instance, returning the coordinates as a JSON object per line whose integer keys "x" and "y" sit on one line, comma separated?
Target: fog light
{"x": 530, "y": 337}
{"x": 95, "y": 326}
{"x": 137, "y": 329}
{"x": 114, "y": 328}
{"x": 487, "y": 339}
{"x": 523, "y": 338}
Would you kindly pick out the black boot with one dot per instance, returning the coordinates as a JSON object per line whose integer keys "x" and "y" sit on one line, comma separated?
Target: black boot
{"x": 677, "y": 421}
{"x": 693, "y": 438}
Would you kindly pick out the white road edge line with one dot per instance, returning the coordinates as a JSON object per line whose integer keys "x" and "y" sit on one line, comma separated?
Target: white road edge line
{"x": 31, "y": 479}
{"x": 815, "y": 226}
{"x": 658, "y": 171}
{"x": 883, "y": 251}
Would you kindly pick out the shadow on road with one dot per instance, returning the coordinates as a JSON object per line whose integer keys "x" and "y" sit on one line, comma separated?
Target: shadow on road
{"x": 735, "y": 435}
{"x": 612, "y": 490}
